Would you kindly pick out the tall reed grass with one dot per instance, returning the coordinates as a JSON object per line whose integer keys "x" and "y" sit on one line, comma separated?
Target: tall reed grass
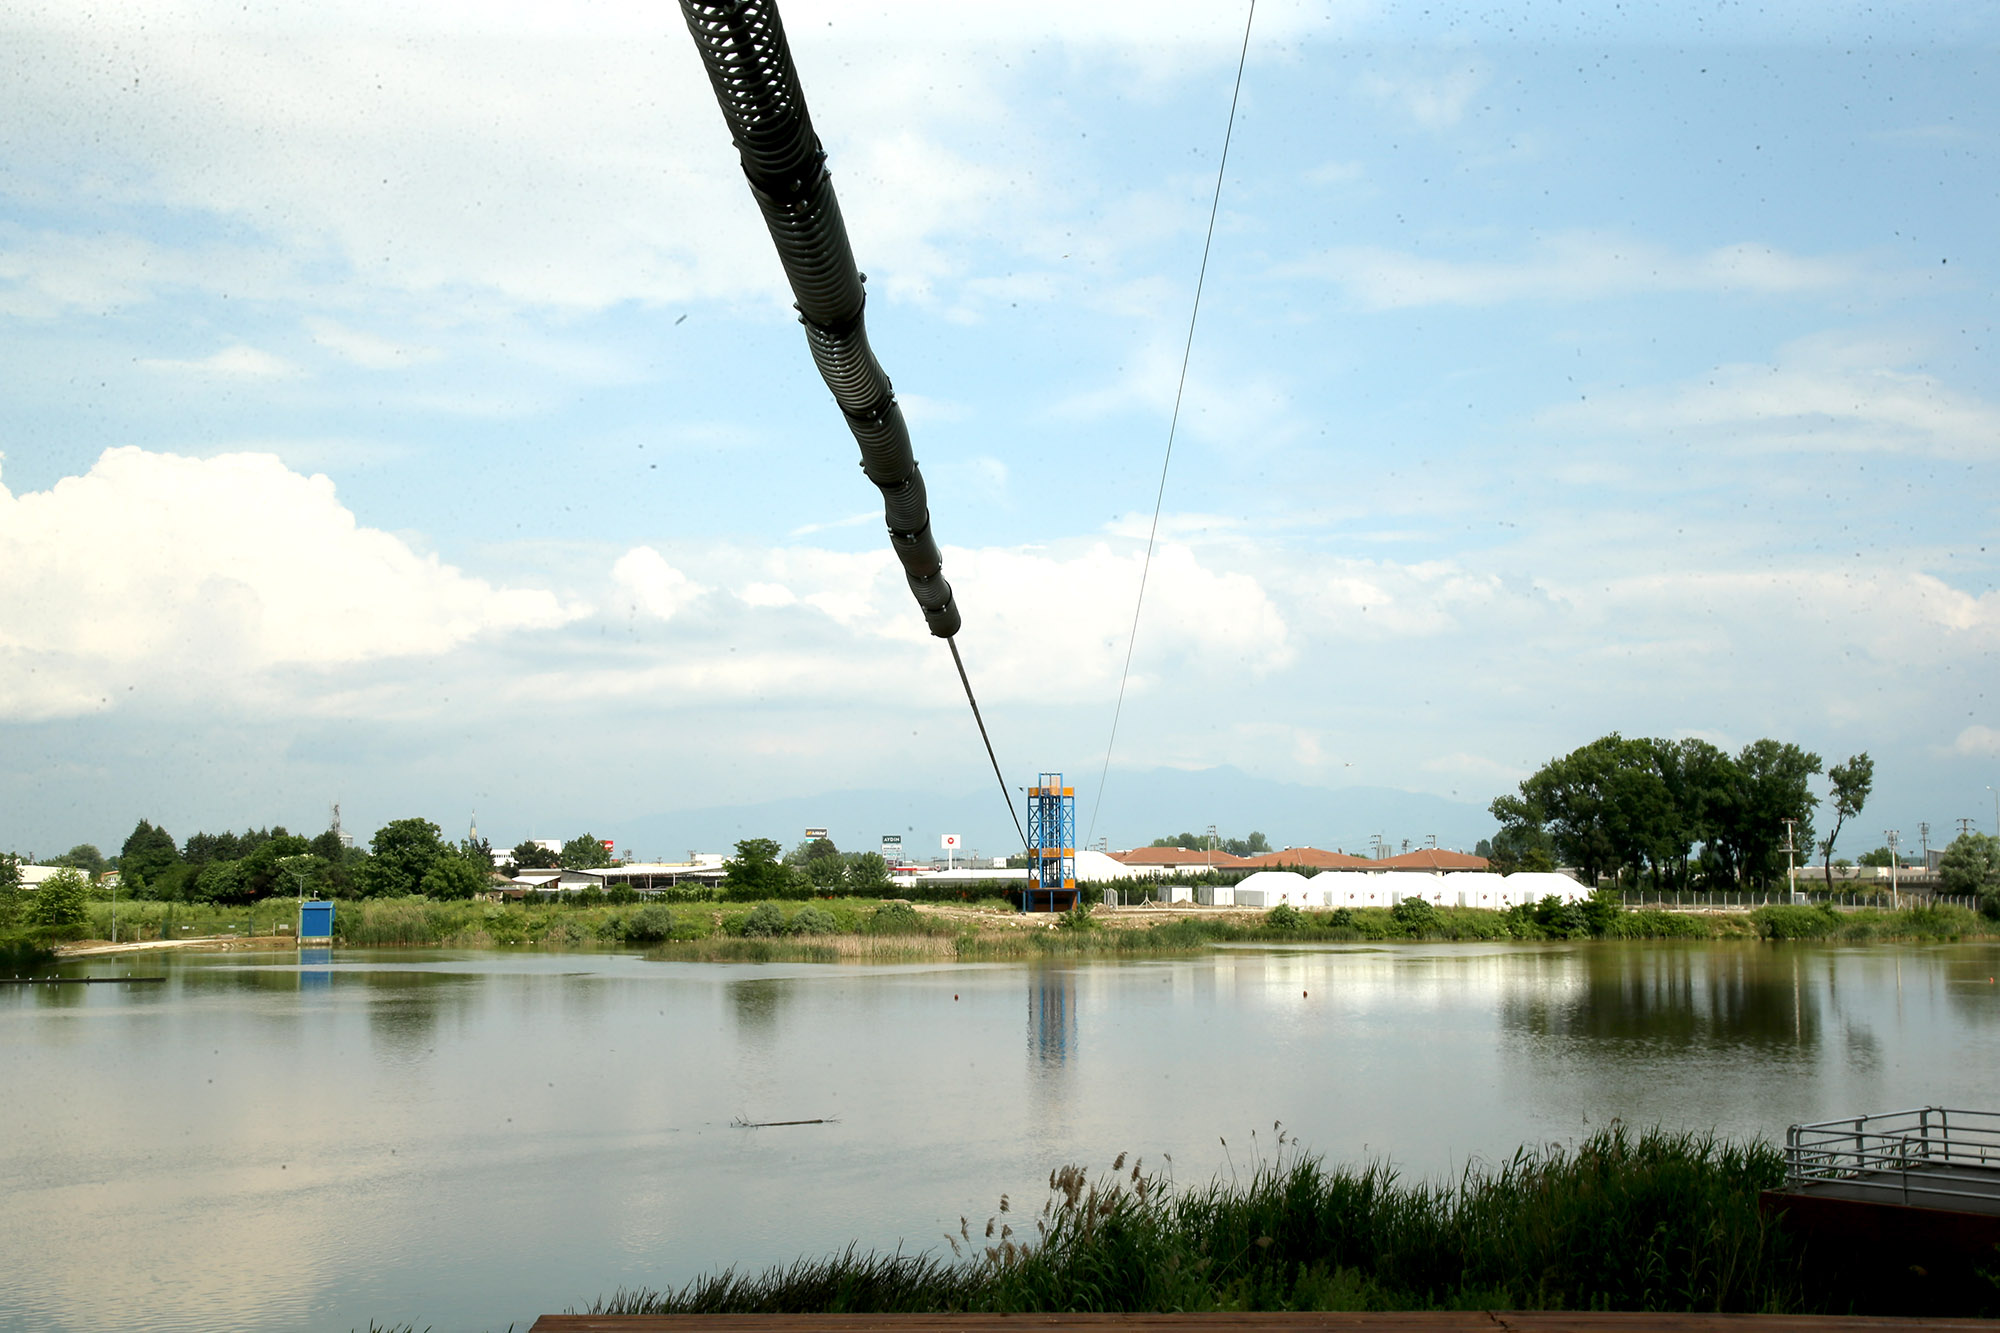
{"x": 1657, "y": 1220}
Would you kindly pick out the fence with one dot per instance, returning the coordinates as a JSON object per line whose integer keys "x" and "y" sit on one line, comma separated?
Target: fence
{"x": 1937, "y": 1154}
{"x": 1778, "y": 897}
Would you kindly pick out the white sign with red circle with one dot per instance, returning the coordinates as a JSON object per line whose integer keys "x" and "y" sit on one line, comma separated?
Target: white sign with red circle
{"x": 949, "y": 842}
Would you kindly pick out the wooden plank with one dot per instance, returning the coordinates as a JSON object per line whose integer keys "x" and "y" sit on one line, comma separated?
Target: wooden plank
{"x": 1499, "y": 1321}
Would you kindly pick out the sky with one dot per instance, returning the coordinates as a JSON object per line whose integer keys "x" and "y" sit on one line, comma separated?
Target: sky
{"x": 402, "y": 406}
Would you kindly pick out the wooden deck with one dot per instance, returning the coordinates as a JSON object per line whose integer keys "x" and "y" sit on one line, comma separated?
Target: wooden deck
{"x": 1493, "y": 1321}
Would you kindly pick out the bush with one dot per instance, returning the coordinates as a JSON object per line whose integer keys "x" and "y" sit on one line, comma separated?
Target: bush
{"x": 25, "y": 958}
{"x": 813, "y": 921}
{"x": 650, "y": 924}
{"x": 893, "y": 918}
{"x": 1076, "y": 918}
{"x": 1284, "y": 917}
{"x": 1796, "y": 923}
{"x": 1415, "y": 916}
{"x": 765, "y": 919}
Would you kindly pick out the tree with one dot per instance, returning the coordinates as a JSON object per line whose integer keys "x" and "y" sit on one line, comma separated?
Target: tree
{"x": 147, "y": 853}
{"x": 809, "y": 851}
{"x": 826, "y": 874}
{"x": 63, "y": 900}
{"x": 756, "y": 871}
{"x": 10, "y": 891}
{"x": 454, "y": 875}
{"x": 584, "y": 852}
{"x": 868, "y": 873}
{"x": 83, "y": 857}
{"x": 1773, "y": 788}
{"x": 1879, "y": 857}
{"x": 302, "y": 872}
{"x": 403, "y": 852}
{"x": 1254, "y": 845}
{"x": 220, "y": 882}
{"x": 1851, "y": 782}
{"x": 1971, "y": 865}
{"x": 534, "y": 856}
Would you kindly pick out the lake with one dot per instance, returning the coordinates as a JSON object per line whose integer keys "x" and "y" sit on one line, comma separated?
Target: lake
{"x": 468, "y": 1140}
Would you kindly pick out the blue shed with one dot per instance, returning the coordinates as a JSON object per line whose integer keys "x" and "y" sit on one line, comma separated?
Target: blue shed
{"x": 315, "y": 921}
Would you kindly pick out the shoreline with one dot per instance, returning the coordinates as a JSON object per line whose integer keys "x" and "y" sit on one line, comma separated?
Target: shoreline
{"x": 894, "y": 931}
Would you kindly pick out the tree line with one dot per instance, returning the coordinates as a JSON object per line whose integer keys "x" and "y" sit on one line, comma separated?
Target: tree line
{"x": 762, "y": 868}
{"x": 1686, "y": 813}
{"x": 1254, "y": 845}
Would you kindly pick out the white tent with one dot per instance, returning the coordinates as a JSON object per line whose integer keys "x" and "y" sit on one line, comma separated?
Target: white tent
{"x": 1477, "y": 888}
{"x": 1355, "y": 888}
{"x": 1429, "y": 886}
{"x": 1531, "y": 886}
{"x": 1269, "y": 888}
{"x": 1091, "y": 867}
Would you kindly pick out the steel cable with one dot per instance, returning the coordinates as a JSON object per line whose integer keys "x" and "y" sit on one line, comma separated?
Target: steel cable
{"x": 1187, "y": 353}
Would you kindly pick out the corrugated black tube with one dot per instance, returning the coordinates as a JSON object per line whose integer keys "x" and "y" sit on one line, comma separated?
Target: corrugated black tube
{"x": 749, "y": 64}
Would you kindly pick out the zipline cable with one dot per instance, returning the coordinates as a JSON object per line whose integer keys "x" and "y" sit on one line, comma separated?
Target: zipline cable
{"x": 959, "y": 662}
{"x": 1187, "y": 353}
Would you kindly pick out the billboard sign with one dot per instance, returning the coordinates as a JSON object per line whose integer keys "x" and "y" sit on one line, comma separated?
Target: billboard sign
{"x": 950, "y": 842}
{"x": 815, "y": 833}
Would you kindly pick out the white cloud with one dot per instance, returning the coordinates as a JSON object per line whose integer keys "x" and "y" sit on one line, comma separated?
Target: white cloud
{"x": 1819, "y": 394}
{"x": 1434, "y": 102}
{"x": 1571, "y": 266}
{"x": 162, "y": 571}
{"x": 236, "y": 362}
{"x": 1978, "y": 741}
{"x": 653, "y": 585}
{"x": 367, "y": 350}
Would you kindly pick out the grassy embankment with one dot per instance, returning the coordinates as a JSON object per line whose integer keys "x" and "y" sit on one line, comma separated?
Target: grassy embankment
{"x": 1660, "y": 1221}
{"x": 872, "y": 930}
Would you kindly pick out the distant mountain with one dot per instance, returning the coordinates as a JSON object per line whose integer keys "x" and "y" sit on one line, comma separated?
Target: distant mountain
{"x": 1137, "y": 808}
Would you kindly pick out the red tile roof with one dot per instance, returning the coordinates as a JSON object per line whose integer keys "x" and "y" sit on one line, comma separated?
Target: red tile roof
{"x": 1431, "y": 858}
{"x": 1313, "y": 857}
{"x": 1178, "y": 856}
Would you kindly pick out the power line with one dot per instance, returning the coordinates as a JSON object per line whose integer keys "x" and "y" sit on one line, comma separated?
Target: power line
{"x": 1187, "y": 353}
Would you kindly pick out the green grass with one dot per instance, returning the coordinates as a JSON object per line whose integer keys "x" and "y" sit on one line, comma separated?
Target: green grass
{"x": 873, "y": 930}
{"x": 1652, "y": 1221}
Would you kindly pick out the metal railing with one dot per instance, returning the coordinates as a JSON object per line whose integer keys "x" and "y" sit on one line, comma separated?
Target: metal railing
{"x": 1848, "y": 897}
{"x": 1932, "y": 1151}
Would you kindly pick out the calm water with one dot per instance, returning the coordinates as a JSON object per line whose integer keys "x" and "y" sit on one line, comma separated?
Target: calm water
{"x": 469, "y": 1140}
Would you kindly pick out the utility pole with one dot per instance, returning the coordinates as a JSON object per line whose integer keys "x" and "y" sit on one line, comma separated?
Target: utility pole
{"x": 1964, "y": 827}
{"x": 1791, "y": 880}
{"x": 1893, "y": 835}
{"x": 1211, "y": 841}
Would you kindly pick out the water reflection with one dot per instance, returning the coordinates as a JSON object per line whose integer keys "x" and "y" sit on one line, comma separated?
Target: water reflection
{"x": 1656, "y": 996}
{"x": 404, "y": 1009}
{"x": 315, "y": 969}
{"x": 1051, "y": 1016}
{"x": 756, "y": 1003}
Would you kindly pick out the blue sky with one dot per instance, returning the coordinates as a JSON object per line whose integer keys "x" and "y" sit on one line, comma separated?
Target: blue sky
{"x": 407, "y": 410}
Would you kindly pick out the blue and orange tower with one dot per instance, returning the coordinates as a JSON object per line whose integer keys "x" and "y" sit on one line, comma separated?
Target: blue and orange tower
{"x": 1051, "y": 846}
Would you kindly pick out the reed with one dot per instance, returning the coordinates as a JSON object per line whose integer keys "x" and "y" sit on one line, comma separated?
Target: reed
{"x": 1657, "y": 1220}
